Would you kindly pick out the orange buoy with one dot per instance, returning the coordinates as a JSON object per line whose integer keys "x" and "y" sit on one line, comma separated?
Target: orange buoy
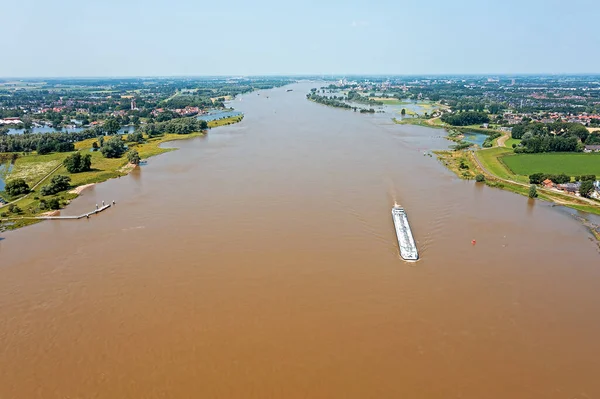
{"x": 473, "y": 242}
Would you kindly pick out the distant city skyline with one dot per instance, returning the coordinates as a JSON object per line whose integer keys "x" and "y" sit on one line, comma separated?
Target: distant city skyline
{"x": 183, "y": 38}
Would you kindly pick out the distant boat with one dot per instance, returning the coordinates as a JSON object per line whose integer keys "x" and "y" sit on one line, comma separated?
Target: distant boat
{"x": 289, "y": 89}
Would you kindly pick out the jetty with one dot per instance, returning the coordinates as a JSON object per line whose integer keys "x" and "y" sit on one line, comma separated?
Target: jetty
{"x": 85, "y": 215}
{"x": 406, "y": 241}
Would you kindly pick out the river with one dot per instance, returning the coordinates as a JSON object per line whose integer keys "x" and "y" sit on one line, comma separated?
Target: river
{"x": 261, "y": 261}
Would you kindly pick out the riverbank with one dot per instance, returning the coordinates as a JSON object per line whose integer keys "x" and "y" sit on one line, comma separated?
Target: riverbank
{"x": 38, "y": 169}
{"x": 467, "y": 164}
{"x": 431, "y": 122}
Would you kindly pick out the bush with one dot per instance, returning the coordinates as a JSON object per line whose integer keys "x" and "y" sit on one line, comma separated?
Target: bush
{"x": 57, "y": 184}
{"x": 461, "y": 145}
{"x": 480, "y": 178}
{"x": 16, "y": 187}
{"x": 12, "y": 208}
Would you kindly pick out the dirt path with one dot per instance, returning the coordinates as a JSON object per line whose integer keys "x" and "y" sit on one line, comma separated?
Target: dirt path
{"x": 502, "y": 140}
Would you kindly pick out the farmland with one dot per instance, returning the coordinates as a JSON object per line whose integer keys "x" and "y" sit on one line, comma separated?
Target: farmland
{"x": 554, "y": 163}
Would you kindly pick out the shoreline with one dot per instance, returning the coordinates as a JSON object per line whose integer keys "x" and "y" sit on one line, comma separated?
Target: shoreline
{"x": 465, "y": 164}
{"x": 153, "y": 148}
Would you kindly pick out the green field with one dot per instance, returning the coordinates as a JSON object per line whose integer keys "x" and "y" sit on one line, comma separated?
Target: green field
{"x": 34, "y": 167}
{"x": 508, "y": 143}
{"x": 572, "y": 164}
{"x": 490, "y": 159}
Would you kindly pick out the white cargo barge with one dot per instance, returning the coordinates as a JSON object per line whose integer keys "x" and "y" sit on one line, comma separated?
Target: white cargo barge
{"x": 406, "y": 242}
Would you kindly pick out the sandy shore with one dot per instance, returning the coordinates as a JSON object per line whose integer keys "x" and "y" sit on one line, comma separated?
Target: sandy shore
{"x": 78, "y": 190}
{"x": 51, "y": 213}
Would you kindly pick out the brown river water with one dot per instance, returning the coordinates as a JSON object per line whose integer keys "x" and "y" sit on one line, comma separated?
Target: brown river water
{"x": 261, "y": 262}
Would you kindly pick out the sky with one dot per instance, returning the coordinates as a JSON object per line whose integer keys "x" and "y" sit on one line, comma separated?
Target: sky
{"x": 72, "y": 38}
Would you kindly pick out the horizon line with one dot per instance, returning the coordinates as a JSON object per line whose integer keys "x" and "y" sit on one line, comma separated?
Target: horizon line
{"x": 300, "y": 75}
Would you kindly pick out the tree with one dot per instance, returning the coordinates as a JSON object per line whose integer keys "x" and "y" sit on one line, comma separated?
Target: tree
{"x": 27, "y": 123}
{"x": 53, "y": 203}
{"x": 532, "y": 191}
{"x": 593, "y": 138}
{"x": 403, "y": 112}
{"x": 58, "y": 183}
{"x": 586, "y": 188}
{"x": 480, "y": 178}
{"x": 95, "y": 146}
{"x": 137, "y": 137}
{"x": 537, "y": 178}
{"x": 588, "y": 177}
{"x": 16, "y": 187}
{"x": 111, "y": 126}
{"x": 133, "y": 157}
{"x": 113, "y": 148}
{"x": 495, "y": 108}
{"x": 77, "y": 163}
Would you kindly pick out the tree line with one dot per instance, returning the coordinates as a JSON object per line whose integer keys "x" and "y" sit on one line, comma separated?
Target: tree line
{"x": 335, "y": 103}
{"x": 466, "y": 118}
{"x": 45, "y": 143}
{"x": 176, "y": 126}
{"x": 552, "y": 137}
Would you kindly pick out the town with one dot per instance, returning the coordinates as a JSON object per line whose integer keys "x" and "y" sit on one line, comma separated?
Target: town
{"x": 31, "y": 106}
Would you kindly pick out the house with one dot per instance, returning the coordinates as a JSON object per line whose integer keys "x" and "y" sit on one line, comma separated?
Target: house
{"x": 570, "y": 188}
{"x": 591, "y": 148}
{"x": 548, "y": 183}
{"x": 597, "y": 186}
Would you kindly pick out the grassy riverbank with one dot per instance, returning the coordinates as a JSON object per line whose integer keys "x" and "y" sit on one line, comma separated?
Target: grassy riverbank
{"x": 467, "y": 164}
{"x": 37, "y": 170}
{"x": 504, "y": 169}
{"x": 433, "y": 122}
